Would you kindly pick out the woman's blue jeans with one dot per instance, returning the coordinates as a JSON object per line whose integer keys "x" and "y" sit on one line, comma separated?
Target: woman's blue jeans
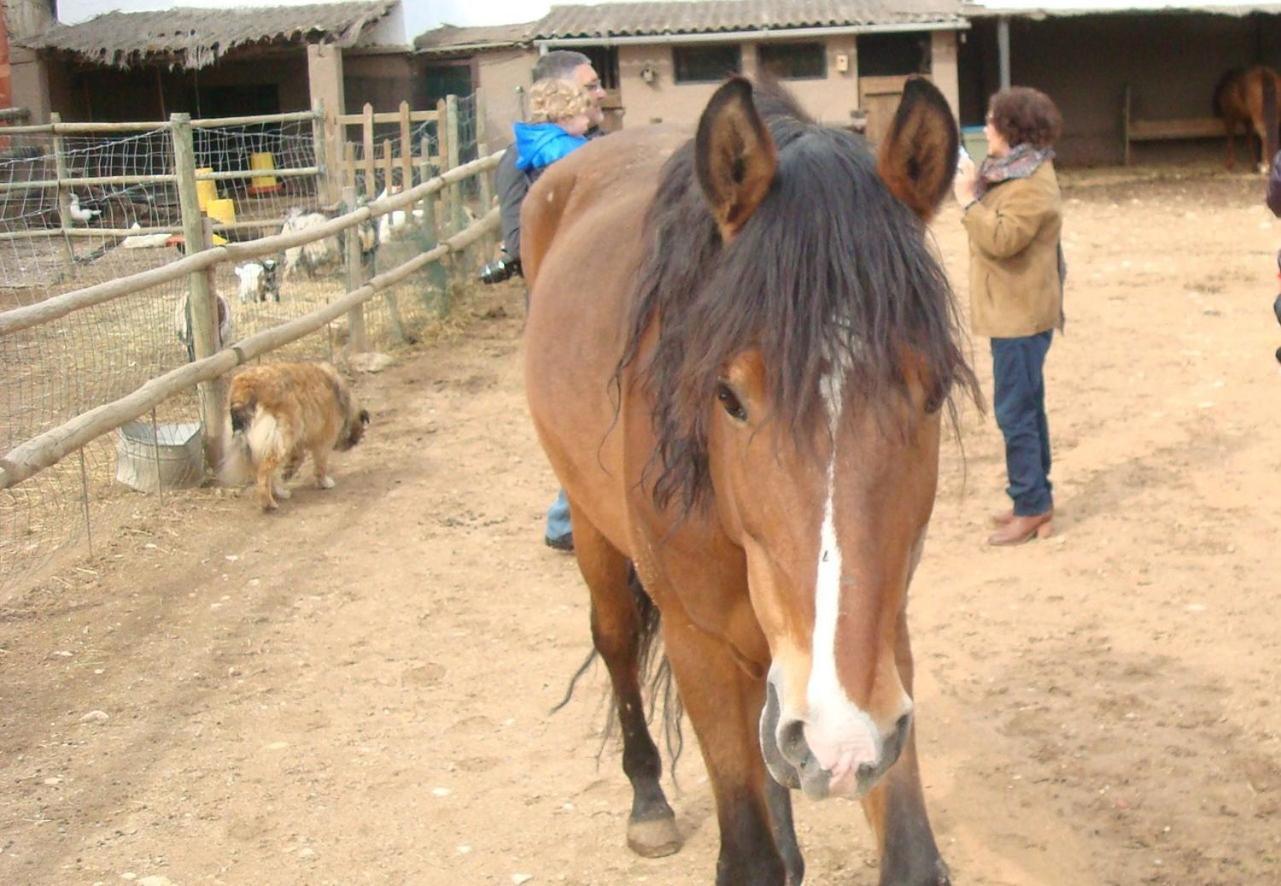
{"x": 558, "y": 525}
{"x": 1017, "y": 369}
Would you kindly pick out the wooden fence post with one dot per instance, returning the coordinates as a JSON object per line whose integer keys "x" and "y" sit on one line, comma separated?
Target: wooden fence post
{"x": 355, "y": 277}
{"x": 328, "y": 175}
{"x": 349, "y": 164}
{"x": 406, "y": 149}
{"x": 485, "y": 181}
{"x": 436, "y": 276}
{"x": 442, "y": 166}
{"x": 371, "y": 183}
{"x": 63, "y": 195}
{"x": 455, "y": 220}
{"x": 201, "y": 298}
{"x": 388, "y": 164}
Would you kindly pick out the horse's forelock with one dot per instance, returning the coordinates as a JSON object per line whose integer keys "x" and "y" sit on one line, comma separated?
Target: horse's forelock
{"x": 829, "y": 265}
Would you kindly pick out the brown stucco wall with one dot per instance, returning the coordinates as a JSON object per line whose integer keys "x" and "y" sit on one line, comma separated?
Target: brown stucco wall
{"x": 383, "y": 81}
{"x": 501, "y": 72}
{"x": 30, "y": 84}
{"x": 1172, "y": 62}
{"x": 831, "y": 99}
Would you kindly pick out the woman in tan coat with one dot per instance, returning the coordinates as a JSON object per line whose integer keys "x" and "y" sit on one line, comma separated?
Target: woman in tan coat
{"x": 1012, "y": 213}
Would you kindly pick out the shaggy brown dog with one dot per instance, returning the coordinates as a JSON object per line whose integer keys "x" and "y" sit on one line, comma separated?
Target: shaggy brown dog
{"x": 279, "y": 413}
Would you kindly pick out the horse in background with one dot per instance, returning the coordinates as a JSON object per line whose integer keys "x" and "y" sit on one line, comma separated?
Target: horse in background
{"x": 742, "y": 399}
{"x": 1248, "y": 97}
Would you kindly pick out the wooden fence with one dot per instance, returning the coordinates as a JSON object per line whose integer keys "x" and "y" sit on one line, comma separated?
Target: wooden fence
{"x": 395, "y": 160}
{"x": 212, "y": 359}
{"x": 401, "y": 163}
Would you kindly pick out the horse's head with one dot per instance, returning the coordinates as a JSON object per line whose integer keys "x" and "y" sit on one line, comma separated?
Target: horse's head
{"x": 798, "y": 396}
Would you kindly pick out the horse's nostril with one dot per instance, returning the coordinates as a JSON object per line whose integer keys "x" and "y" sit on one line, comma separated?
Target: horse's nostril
{"x": 792, "y": 742}
{"x": 904, "y": 723}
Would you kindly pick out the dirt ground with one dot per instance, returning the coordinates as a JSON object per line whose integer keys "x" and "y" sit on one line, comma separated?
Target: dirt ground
{"x": 356, "y": 690}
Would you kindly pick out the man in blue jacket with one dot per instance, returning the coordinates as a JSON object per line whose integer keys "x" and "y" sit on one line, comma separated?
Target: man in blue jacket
{"x": 513, "y": 184}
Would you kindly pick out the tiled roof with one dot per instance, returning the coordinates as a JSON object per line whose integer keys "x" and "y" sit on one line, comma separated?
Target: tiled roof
{"x": 448, "y": 38}
{"x": 194, "y": 38}
{"x": 643, "y": 19}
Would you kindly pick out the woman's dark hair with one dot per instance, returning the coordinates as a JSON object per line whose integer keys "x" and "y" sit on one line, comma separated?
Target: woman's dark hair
{"x": 1022, "y": 115}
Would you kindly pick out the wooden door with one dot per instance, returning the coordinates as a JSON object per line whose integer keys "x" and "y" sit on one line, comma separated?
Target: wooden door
{"x": 879, "y": 98}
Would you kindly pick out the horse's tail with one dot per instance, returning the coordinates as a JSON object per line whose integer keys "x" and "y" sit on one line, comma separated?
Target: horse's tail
{"x": 1226, "y": 82}
{"x": 655, "y": 675}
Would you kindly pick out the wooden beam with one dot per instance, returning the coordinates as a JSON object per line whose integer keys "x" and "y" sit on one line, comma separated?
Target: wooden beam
{"x": 47, "y": 449}
{"x": 52, "y": 308}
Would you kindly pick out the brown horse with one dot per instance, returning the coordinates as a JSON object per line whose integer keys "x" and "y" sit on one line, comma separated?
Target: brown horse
{"x": 737, "y": 353}
{"x": 1249, "y": 98}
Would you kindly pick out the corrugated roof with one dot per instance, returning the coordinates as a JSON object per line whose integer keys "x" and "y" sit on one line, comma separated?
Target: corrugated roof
{"x": 195, "y": 38}
{"x": 1054, "y": 8}
{"x": 448, "y": 38}
{"x": 710, "y": 16}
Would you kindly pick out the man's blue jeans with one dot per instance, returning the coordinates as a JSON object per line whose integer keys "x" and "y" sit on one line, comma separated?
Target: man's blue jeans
{"x": 1017, "y": 368}
{"x": 558, "y": 525}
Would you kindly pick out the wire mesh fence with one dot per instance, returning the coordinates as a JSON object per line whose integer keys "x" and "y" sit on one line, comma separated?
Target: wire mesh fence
{"x": 82, "y": 208}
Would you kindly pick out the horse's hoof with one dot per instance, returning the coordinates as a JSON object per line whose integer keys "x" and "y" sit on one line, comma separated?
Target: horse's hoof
{"x": 655, "y": 838}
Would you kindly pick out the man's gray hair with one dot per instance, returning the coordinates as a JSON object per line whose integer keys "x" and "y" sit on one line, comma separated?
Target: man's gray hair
{"x": 559, "y": 64}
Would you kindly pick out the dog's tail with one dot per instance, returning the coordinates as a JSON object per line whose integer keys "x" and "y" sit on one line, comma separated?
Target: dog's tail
{"x": 253, "y": 438}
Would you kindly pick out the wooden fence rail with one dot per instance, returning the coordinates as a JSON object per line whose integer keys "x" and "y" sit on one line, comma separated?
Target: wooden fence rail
{"x": 47, "y": 449}
{"x": 60, "y": 305}
{"x": 60, "y": 128}
{"x": 430, "y": 206}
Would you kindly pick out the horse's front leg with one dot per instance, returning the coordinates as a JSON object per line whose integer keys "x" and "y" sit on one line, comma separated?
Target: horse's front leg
{"x": 619, "y": 630}
{"x": 779, "y": 800}
{"x": 724, "y": 704}
{"x": 896, "y": 806}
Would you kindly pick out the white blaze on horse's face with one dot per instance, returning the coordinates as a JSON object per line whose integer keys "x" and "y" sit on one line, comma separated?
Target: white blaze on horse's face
{"x": 831, "y": 534}
{"x": 843, "y": 738}
{"x": 839, "y": 729}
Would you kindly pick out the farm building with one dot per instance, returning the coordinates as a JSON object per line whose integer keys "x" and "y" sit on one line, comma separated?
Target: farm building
{"x": 661, "y": 61}
{"x": 1166, "y": 58}
{"x": 218, "y": 62}
{"x": 1133, "y": 79}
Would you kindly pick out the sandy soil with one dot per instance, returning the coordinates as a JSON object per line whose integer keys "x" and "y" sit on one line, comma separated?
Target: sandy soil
{"x": 357, "y": 689}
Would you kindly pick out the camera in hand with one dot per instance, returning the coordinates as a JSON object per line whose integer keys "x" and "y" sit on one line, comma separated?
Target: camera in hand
{"x": 499, "y": 270}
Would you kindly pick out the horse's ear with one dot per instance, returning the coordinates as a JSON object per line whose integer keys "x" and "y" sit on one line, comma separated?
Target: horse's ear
{"x": 735, "y": 156}
{"x": 918, "y": 156}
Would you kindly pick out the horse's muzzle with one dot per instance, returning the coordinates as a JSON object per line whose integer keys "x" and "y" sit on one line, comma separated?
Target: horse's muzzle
{"x": 793, "y": 764}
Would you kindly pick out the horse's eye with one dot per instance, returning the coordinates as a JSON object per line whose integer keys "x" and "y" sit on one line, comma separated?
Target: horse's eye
{"x": 730, "y": 402}
{"x": 937, "y": 397}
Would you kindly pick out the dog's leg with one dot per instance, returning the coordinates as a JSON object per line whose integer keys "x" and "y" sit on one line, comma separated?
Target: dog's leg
{"x": 267, "y": 481}
{"x": 320, "y": 461}
{"x": 294, "y": 462}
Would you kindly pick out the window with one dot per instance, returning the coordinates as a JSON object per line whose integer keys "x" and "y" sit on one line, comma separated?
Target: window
{"x": 706, "y": 64}
{"x": 793, "y": 61}
{"x": 893, "y": 55}
{"x": 605, "y": 62}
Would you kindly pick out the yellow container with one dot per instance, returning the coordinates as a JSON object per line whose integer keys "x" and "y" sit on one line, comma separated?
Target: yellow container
{"x": 205, "y": 190}
{"x": 263, "y": 184}
{"x": 223, "y": 211}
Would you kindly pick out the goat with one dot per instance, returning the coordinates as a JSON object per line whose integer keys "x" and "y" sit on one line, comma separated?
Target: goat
{"x": 182, "y": 325}
{"x": 395, "y": 225}
{"x": 258, "y": 281}
{"x": 323, "y": 254}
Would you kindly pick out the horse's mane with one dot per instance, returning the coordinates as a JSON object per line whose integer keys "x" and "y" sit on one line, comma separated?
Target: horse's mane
{"x": 831, "y": 266}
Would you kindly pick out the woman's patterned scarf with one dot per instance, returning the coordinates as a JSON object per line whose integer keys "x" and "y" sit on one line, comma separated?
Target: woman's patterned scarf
{"x": 1020, "y": 162}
